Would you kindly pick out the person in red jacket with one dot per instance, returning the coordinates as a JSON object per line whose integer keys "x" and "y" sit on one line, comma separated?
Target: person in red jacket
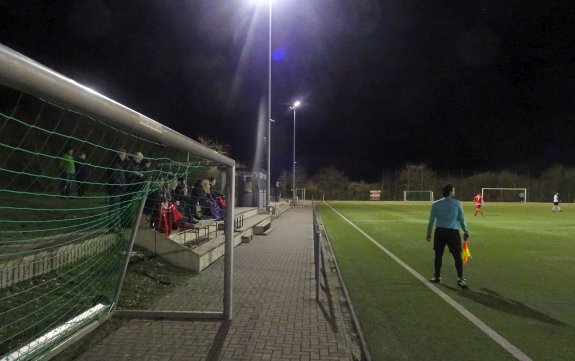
{"x": 165, "y": 217}
{"x": 478, "y": 199}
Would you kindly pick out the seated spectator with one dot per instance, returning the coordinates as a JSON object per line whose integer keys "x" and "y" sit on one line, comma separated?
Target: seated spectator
{"x": 181, "y": 190}
{"x": 166, "y": 217}
{"x": 210, "y": 207}
{"x": 216, "y": 195}
{"x": 216, "y": 211}
{"x": 197, "y": 196}
{"x": 207, "y": 195}
{"x": 183, "y": 201}
{"x": 213, "y": 191}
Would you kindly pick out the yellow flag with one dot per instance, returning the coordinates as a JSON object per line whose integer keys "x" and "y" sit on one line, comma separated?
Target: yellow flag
{"x": 465, "y": 254}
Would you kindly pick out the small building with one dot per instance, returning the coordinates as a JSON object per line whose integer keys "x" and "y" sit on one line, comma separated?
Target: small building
{"x": 251, "y": 188}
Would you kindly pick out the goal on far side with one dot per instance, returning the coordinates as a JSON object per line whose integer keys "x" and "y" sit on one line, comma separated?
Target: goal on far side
{"x": 504, "y": 194}
{"x": 415, "y": 196}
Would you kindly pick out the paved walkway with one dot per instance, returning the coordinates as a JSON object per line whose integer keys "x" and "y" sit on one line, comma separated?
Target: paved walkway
{"x": 275, "y": 314}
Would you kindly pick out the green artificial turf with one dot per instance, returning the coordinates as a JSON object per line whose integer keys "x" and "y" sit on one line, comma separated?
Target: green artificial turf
{"x": 520, "y": 277}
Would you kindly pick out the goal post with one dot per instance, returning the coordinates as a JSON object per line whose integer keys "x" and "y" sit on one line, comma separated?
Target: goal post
{"x": 415, "y": 196}
{"x": 45, "y": 120}
{"x": 504, "y": 194}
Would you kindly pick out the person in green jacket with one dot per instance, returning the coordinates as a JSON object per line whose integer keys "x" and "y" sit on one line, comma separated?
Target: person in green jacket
{"x": 67, "y": 171}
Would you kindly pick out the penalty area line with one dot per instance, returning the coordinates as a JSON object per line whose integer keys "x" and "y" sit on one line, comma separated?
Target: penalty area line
{"x": 508, "y": 346}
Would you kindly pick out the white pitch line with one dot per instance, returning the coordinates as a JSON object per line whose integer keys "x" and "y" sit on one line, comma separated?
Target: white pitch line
{"x": 508, "y": 346}
{"x": 391, "y": 220}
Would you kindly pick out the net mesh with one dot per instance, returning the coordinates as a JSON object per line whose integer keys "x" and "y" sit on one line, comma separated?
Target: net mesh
{"x": 64, "y": 223}
{"x": 417, "y": 196}
{"x": 504, "y": 194}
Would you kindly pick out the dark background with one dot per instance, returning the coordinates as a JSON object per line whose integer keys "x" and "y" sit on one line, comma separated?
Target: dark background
{"x": 476, "y": 85}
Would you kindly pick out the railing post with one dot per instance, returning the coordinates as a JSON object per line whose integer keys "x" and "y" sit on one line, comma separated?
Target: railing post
{"x": 229, "y": 243}
{"x": 316, "y": 254}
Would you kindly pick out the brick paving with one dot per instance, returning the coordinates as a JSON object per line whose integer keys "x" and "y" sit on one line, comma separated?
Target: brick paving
{"x": 275, "y": 314}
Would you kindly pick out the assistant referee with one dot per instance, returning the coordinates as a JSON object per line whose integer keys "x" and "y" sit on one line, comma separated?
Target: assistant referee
{"x": 447, "y": 216}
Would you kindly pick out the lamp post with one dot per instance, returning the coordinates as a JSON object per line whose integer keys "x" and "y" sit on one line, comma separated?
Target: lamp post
{"x": 269, "y": 122}
{"x": 294, "y": 107}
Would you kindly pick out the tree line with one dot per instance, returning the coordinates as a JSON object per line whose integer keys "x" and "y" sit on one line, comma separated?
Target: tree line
{"x": 332, "y": 184}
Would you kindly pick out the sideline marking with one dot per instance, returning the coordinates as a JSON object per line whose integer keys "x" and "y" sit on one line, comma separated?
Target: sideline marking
{"x": 391, "y": 220}
{"x": 508, "y": 346}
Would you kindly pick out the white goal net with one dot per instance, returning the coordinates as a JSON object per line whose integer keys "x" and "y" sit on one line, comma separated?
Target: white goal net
{"x": 415, "y": 196}
{"x": 504, "y": 194}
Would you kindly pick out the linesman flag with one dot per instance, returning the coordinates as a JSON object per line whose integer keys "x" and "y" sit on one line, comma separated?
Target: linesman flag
{"x": 465, "y": 254}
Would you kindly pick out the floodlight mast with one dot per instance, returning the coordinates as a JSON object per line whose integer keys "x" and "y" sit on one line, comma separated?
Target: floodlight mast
{"x": 269, "y": 107}
{"x": 269, "y": 153}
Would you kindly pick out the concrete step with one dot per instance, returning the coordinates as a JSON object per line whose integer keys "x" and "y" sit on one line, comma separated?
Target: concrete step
{"x": 197, "y": 248}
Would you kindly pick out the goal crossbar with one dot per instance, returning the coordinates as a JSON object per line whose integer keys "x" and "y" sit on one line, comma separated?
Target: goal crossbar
{"x": 423, "y": 195}
{"x": 523, "y": 190}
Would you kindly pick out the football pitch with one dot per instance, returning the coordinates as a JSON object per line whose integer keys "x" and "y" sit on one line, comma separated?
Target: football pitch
{"x": 520, "y": 303}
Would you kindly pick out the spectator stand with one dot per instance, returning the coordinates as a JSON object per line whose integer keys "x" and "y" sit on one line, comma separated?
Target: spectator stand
{"x": 198, "y": 247}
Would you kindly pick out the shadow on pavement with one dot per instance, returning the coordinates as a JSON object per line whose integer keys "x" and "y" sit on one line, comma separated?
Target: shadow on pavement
{"x": 215, "y": 351}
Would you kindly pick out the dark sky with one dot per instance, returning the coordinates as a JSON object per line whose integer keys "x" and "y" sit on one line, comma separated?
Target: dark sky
{"x": 475, "y": 85}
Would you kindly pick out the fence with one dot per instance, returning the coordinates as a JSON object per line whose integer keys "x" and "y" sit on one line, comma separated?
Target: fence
{"x": 321, "y": 282}
{"x": 69, "y": 211}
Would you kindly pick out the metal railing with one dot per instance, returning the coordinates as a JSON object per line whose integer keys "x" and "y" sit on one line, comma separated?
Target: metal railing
{"x": 321, "y": 274}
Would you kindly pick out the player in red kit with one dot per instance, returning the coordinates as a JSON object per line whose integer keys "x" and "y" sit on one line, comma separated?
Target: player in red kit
{"x": 478, "y": 199}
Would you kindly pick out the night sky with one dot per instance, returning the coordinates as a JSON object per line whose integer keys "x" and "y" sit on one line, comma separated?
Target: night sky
{"x": 470, "y": 85}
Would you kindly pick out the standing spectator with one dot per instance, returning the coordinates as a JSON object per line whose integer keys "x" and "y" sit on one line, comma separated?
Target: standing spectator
{"x": 134, "y": 175}
{"x": 556, "y": 202}
{"x": 151, "y": 197}
{"x": 135, "y": 180}
{"x": 478, "y": 199}
{"x": 82, "y": 174}
{"x": 67, "y": 171}
{"x": 277, "y": 191}
{"x": 447, "y": 214}
{"x": 145, "y": 168}
{"x": 117, "y": 188}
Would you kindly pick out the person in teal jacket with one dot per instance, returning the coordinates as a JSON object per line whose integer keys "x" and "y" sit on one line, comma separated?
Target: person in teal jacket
{"x": 447, "y": 216}
{"x": 67, "y": 171}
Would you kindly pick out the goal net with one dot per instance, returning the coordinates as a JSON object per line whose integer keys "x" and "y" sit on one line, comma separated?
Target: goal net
{"x": 414, "y": 196}
{"x": 504, "y": 194}
{"x": 77, "y": 196}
